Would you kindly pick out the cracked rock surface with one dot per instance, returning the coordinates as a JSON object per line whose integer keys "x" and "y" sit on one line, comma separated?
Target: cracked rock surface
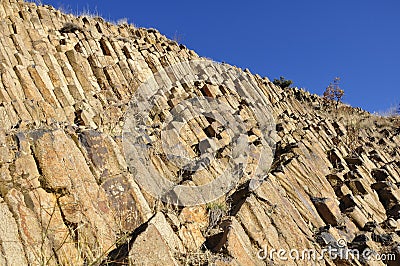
{"x": 68, "y": 197}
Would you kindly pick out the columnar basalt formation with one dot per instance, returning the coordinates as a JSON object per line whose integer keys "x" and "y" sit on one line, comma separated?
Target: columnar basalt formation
{"x": 68, "y": 197}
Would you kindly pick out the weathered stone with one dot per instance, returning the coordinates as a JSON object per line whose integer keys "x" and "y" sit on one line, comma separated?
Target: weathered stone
{"x": 392, "y": 223}
{"x": 357, "y": 186}
{"x": 30, "y": 90}
{"x": 370, "y": 226}
{"x": 37, "y": 248}
{"x": 237, "y": 244}
{"x": 360, "y": 242}
{"x": 347, "y": 203}
{"x": 394, "y": 212}
{"x": 150, "y": 248}
{"x": 328, "y": 209}
{"x": 69, "y": 195}
{"x": 325, "y": 239}
{"x": 335, "y": 159}
{"x": 358, "y": 217}
{"x": 54, "y": 164}
{"x": 12, "y": 248}
{"x": 207, "y": 146}
{"x": 194, "y": 221}
{"x": 44, "y": 84}
{"x": 385, "y": 239}
{"x": 335, "y": 180}
{"x": 380, "y": 174}
{"x": 382, "y": 185}
{"x": 388, "y": 195}
{"x": 352, "y": 160}
{"x": 157, "y": 244}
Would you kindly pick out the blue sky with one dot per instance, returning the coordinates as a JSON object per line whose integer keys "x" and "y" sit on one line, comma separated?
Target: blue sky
{"x": 310, "y": 41}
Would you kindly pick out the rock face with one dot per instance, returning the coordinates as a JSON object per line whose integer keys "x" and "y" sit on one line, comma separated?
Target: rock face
{"x": 69, "y": 197}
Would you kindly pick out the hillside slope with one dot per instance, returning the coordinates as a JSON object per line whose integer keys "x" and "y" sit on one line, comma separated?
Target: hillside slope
{"x": 69, "y": 196}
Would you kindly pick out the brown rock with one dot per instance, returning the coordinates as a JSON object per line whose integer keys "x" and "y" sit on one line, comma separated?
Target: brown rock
{"x": 157, "y": 244}
{"x": 12, "y": 248}
{"x": 238, "y": 244}
{"x": 194, "y": 220}
{"x": 63, "y": 175}
{"x": 328, "y": 209}
{"x": 55, "y": 164}
{"x": 358, "y": 217}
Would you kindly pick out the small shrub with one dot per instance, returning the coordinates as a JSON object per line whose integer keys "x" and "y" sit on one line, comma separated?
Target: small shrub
{"x": 70, "y": 27}
{"x": 397, "y": 110}
{"x": 282, "y": 82}
{"x": 333, "y": 92}
{"x": 355, "y": 123}
{"x": 200, "y": 257}
{"x": 217, "y": 205}
{"x": 122, "y": 21}
{"x": 177, "y": 37}
{"x": 216, "y": 210}
{"x": 353, "y": 129}
{"x": 397, "y": 125}
{"x": 392, "y": 111}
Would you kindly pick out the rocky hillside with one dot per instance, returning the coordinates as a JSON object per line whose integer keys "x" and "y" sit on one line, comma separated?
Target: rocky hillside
{"x": 70, "y": 194}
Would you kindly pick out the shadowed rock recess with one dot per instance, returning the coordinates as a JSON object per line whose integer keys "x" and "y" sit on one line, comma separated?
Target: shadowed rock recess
{"x": 68, "y": 197}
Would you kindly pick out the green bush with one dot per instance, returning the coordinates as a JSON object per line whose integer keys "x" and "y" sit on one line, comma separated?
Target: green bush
{"x": 282, "y": 82}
